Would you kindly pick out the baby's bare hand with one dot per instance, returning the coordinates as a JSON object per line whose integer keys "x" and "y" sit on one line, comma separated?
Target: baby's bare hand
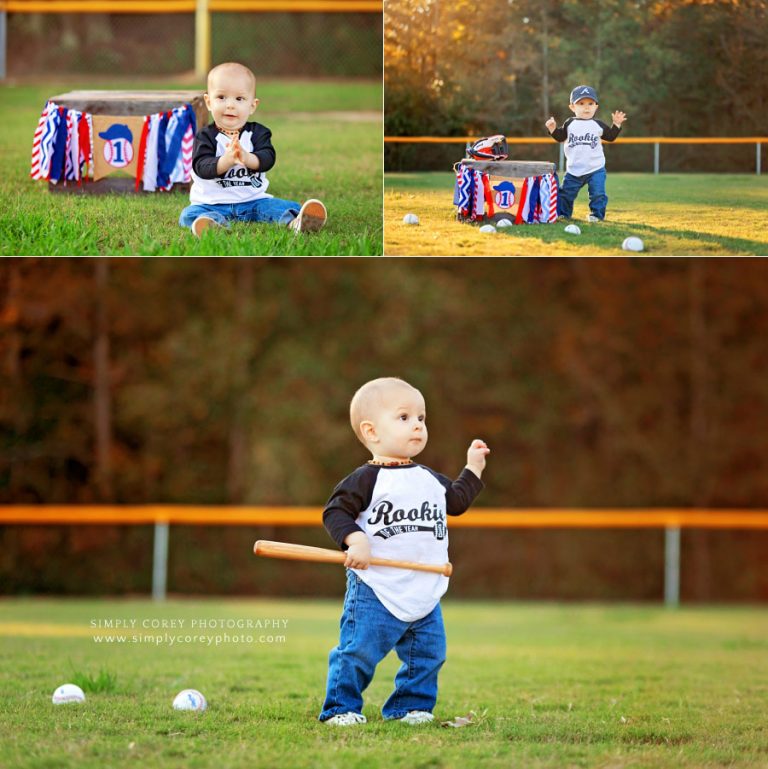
{"x": 229, "y": 157}
{"x": 358, "y": 556}
{"x": 476, "y": 454}
{"x": 551, "y": 124}
{"x": 239, "y": 151}
{"x": 234, "y": 148}
{"x": 618, "y": 117}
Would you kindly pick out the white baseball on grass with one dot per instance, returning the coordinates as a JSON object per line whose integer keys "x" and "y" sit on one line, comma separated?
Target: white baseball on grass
{"x": 504, "y": 223}
{"x": 487, "y": 228}
{"x": 68, "y": 693}
{"x": 573, "y": 229}
{"x": 410, "y": 219}
{"x": 189, "y": 699}
{"x": 632, "y": 243}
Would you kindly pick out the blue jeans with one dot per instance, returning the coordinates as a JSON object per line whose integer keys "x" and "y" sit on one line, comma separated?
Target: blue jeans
{"x": 259, "y": 210}
{"x": 598, "y": 200}
{"x": 368, "y": 633}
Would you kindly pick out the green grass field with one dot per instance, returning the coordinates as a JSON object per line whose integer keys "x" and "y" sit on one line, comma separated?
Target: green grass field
{"x": 674, "y": 215}
{"x": 552, "y": 686}
{"x": 328, "y": 140}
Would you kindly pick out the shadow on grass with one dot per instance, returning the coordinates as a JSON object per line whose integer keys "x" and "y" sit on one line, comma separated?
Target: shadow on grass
{"x": 748, "y": 246}
{"x": 551, "y": 234}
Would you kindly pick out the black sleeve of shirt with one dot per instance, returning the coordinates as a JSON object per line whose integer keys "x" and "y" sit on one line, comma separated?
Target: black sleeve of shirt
{"x": 610, "y": 132}
{"x": 561, "y": 134}
{"x": 262, "y": 147}
{"x": 348, "y": 499}
{"x": 204, "y": 158}
{"x": 461, "y": 493}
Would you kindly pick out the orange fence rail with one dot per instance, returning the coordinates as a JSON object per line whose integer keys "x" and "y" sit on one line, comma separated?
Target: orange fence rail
{"x": 656, "y": 141}
{"x": 189, "y": 6}
{"x": 548, "y": 140}
{"x": 484, "y": 517}
{"x": 672, "y": 520}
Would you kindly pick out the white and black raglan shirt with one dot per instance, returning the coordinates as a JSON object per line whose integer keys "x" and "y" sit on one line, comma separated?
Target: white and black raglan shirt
{"x": 583, "y": 148}
{"x": 403, "y": 510}
{"x": 240, "y": 184}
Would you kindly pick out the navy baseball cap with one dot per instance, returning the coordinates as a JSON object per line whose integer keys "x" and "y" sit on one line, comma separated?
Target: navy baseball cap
{"x": 584, "y": 92}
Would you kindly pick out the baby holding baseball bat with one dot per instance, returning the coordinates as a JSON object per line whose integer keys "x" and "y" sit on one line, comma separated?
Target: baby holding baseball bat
{"x": 230, "y": 159}
{"x": 393, "y": 508}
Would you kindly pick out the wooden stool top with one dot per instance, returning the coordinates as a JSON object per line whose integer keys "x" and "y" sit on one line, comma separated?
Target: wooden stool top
{"x": 512, "y": 169}
{"x": 129, "y": 102}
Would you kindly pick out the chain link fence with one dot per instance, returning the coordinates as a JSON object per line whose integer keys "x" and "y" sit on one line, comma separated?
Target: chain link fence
{"x": 624, "y": 158}
{"x": 279, "y": 44}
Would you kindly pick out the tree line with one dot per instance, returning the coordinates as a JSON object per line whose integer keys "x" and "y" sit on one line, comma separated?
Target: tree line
{"x": 679, "y": 68}
{"x": 597, "y": 383}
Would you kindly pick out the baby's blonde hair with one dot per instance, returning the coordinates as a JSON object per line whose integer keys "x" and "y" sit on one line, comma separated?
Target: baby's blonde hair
{"x": 234, "y": 67}
{"x": 368, "y": 397}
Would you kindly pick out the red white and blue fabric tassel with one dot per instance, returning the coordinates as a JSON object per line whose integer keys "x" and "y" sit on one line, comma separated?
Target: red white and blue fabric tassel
{"x": 44, "y": 141}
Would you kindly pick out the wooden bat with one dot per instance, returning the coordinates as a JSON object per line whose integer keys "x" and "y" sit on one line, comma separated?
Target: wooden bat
{"x": 324, "y": 555}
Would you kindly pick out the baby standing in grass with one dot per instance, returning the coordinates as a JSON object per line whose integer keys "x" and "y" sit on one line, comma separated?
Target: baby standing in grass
{"x": 230, "y": 160}
{"x": 584, "y": 154}
{"x": 393, "y": 508}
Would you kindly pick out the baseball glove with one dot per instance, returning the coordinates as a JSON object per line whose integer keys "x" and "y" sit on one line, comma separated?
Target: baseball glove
{"x": 490, "y": 148}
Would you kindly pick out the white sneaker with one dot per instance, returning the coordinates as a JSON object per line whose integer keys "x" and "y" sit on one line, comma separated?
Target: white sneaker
{"x": 311, "y": 218}
{"x": 201, "y": 224}
{"x": 417, "y": 717}
{"x": 592, "y": 219}
{"x": 347, "y": 719}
